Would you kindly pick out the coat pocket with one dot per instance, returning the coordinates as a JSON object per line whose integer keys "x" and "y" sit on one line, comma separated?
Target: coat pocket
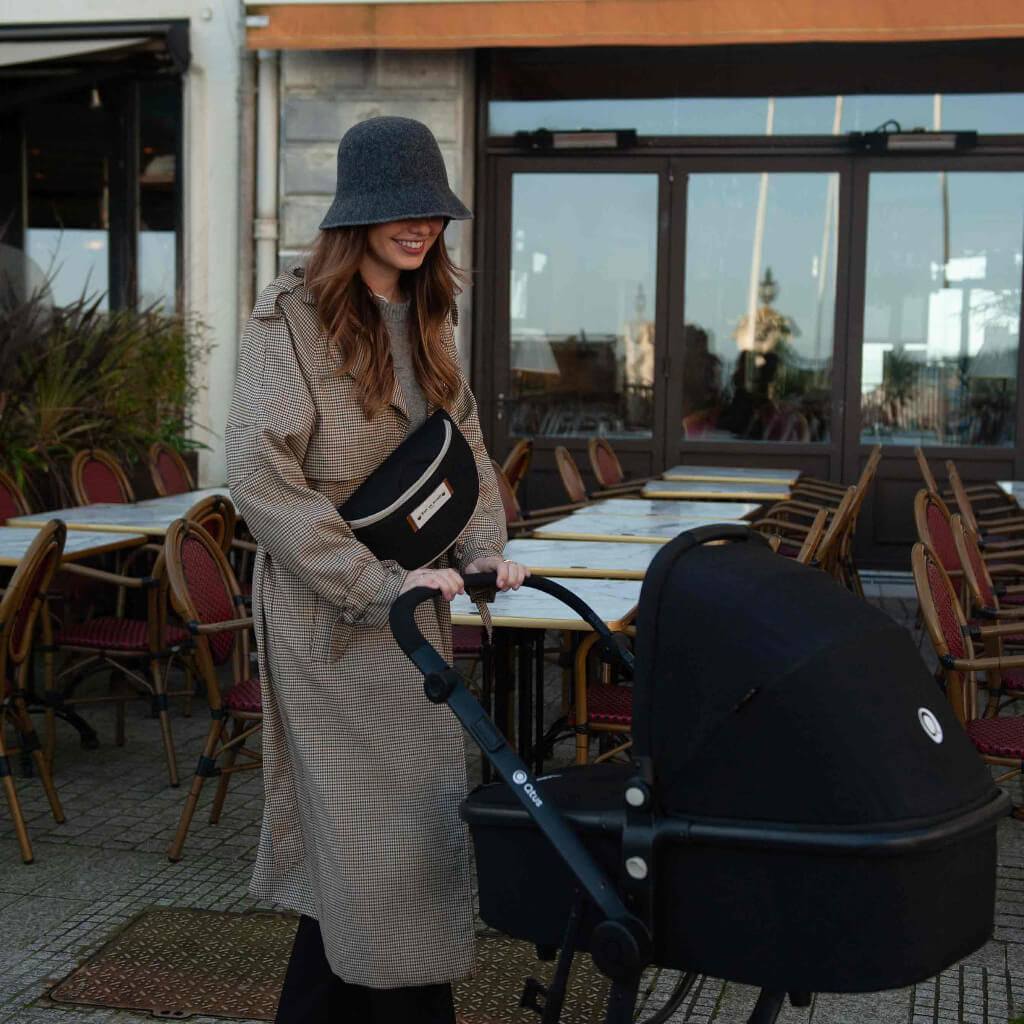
{"x": 330, "y": 636}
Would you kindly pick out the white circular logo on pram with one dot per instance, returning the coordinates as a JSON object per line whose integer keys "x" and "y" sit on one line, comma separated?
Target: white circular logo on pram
{"x": 519, "y": 777}
{"x": 930, "y": 724}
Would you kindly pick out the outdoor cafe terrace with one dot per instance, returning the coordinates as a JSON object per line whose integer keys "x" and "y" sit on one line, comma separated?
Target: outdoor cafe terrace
{"x": 103, "y": 925}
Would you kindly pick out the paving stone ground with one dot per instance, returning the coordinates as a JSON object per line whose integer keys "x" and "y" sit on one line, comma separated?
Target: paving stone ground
{"x": 108, "y": 862}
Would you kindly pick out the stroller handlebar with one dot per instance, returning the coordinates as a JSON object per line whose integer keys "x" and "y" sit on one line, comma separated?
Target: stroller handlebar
{"x": 621, "y": 942}
{"x": 424, "y": 657}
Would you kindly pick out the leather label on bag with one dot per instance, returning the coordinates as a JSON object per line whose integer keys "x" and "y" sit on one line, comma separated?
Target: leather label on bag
{"x": 423, "y": 512}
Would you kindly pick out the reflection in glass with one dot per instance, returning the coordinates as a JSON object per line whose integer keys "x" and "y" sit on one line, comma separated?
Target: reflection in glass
{"x": 994, "y": 113}
{"x": 942, "y": 308}
{"x": 581, "y": 305}
{"x": 158, "y": 194}
{"x": 74, "y": 262}
{"x": 759, "y": 306}
{"x": 68, "y": 177}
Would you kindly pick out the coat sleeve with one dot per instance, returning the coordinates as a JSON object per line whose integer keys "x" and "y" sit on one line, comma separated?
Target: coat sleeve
{"x": 485, "y": 533}
{"x": 271, "y": 420}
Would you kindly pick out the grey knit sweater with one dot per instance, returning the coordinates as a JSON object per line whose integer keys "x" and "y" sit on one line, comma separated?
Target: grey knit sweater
{"x": 396, "y": 316}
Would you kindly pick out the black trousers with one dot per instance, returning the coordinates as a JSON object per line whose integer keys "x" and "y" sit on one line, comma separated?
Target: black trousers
{"x": 313, "y": 994}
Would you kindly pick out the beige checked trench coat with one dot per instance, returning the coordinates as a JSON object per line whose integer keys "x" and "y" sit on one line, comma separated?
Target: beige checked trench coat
{"x": 363, "y": 776}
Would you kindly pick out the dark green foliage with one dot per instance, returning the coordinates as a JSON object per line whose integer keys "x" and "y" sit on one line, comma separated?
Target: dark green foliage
{"x": 75, "y": 376}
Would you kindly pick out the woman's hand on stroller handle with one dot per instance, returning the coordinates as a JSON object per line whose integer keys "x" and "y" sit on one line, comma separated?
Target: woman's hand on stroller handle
{"x": 448, "y": 581}
{"x": 509, "y": 575}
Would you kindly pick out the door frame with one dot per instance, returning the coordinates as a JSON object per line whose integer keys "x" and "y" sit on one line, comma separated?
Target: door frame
{"x": 493, "y": 366}
{"x": 825, "y": 457}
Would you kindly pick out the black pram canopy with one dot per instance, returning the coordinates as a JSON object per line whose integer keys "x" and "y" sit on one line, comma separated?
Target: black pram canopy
{"x": 764, "y": 691}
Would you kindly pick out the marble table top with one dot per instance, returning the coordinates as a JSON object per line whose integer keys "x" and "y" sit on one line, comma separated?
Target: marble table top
{"x": 748, "y": 474}
{"x": 713, "y": 510}
{"x": 614, "y": 601}
{"x": 582, "y": 558}
{"x": 724, "y": 491}
{"x": 15, "y": 541}
{"x": 151, "y": 517}
{"x": 646, "y": 530}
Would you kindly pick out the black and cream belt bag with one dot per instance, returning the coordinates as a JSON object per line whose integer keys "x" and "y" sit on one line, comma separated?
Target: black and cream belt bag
{"x": 415, "y": 504}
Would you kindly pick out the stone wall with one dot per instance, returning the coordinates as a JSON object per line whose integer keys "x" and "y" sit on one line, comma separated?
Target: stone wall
{"x": 323, "y": 93}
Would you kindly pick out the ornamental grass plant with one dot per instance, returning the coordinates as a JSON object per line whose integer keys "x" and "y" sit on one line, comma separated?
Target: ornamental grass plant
{"x": 76, "y": 376}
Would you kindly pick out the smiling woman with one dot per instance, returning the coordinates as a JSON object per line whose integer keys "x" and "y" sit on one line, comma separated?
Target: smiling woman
{"x": 341, "y": 361}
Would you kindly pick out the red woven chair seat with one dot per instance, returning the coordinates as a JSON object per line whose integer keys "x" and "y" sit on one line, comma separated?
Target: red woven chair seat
{"x": 244, "y": 696}
{"x": 610, "y": 705}
{"x": 789, "y": 550}
{"x": 113, "y": 634}
{"x": 998, "y": 737}
{"x": 467, "y": 639}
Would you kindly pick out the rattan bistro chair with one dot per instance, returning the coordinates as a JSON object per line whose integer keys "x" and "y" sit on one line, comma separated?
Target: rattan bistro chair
{"x": 981, "y": 495}
{"x": 518, "y": 523}
{"x": 205, "y": 593}
{"x": 168, "y": 471}
{"x": 19, "y": 610}
{"x": 817, "y": 491}
{"x": 140, "y": 651}
{"x": 517, "y": 462}
{"x": 12, "y": 499}
{"x": 600, "y": 706}
{"x": 608, "y": 471}
{"x": 991, "y": 622}
{"x": 1000, "y": 741}
{"x": 792, "y": 540}
{"x": 96, "y": 476}
{"x": 995, "y": 534}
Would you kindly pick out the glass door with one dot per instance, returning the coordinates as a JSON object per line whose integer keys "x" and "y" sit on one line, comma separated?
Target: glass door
{"x": 577, "y": 305}
{"x": 941, "y": 309}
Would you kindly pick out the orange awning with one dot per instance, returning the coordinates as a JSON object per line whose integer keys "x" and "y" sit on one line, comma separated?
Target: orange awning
{"x": 426, "y": 25}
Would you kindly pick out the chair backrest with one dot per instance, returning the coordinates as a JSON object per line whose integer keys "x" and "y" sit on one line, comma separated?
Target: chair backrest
{"x": 509, "y": 501}
{"x": 947, "y": 628}
{"x": 204, "y": 591}
{"x": 813, "y": 538}
{"x": 935, "y": 530}
{"x": 517, "y": 462}
{"x": 604, "y": 462}
{"x": 963, "y": 503}
{"x": 23, "y": 596}
{"x": 12, "y": 499}
{"x": 168, "y": 471}
{"x": 830, "y": 547}
{"x": 976, "y": 574}
{"x": 867, "y": 473}
{"x": 926, "y": 471}
{"x": 572, "y": 481}
{"x": 96, "y": 476}
{"x": 216, "y": 514}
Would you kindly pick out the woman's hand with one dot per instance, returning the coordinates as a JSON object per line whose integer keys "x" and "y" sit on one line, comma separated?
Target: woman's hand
{"x": 510, "y": 574}
{"x": 448, "y": 581}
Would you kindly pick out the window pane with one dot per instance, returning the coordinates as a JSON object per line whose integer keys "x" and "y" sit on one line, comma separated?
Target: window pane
{"x": 69, "y": 153}
{"x": 158, "y": 193}
{"x": 993, "y": 113}
{"x": 759, "y": 306}
{"x": 942, "y": 308}
{"x": 581, "y": 304}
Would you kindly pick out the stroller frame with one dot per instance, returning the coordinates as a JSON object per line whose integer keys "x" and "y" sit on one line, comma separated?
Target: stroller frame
{"x": 622, "y": 944}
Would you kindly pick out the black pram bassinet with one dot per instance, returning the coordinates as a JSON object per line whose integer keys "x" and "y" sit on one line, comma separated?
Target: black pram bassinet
{"x": 803, "y": 813}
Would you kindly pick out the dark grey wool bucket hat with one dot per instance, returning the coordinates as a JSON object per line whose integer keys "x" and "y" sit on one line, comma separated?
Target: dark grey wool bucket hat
{"x": 390, "y": 168}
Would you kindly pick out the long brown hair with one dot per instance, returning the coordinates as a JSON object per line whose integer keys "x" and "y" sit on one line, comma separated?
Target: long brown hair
{"x": 356, "y": 328}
